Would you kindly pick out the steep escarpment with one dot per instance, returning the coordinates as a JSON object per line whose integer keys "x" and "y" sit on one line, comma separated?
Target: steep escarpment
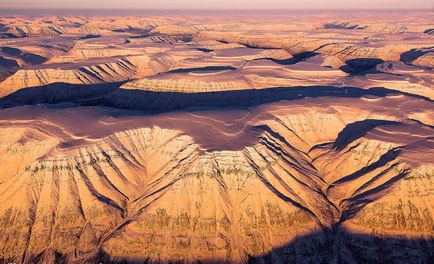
{"x": 132, "y": 193}
{"x": 321, "y": 172}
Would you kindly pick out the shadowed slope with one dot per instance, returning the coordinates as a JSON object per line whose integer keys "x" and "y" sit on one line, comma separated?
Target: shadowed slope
{"x": 113, "y": 96}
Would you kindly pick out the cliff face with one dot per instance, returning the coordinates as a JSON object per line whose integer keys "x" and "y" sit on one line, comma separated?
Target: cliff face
{"x": 162, "y": 195}
{"x": 115, "y": 196}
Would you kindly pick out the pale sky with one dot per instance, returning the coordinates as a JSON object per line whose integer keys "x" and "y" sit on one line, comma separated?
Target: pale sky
{"x": 220, "y": 4}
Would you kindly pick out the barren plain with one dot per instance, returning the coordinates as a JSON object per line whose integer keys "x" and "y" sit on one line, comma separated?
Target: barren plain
{"x": 288, "y": 138}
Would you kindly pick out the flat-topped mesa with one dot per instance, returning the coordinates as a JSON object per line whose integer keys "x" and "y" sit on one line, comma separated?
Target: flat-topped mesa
{"x": 186, "y": 85}
{"x": 254, "y": 40}
{"x": 39, "y": 77}
{"x": 213, "y": 45}
{"x": 114, "y": 70}
{"x": 401, "y": 85}
{"x": 314, "y": 165}
{"x": 85, "y": 53}
{"x": 256, "y": 74}
{"x": 337, "y": 47}
{"x": 379, "y": 27}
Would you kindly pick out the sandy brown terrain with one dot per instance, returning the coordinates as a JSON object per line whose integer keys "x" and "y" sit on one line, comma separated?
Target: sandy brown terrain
{"x": 299, "y": 138}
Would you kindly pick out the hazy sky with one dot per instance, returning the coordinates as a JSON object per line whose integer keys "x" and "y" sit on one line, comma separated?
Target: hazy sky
{"x": 221, "y": 4}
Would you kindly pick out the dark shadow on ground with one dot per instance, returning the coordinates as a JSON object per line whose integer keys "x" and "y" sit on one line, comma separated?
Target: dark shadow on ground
{"x": 357, "y": 130}
{"x": 56, "y": 93}
{"x": 7, "y": 63}
{"x": 296, "y": 58}
{"x": 29, "y": 58}
{"x": 89, "y": 36}
{"x": 205, "y": 50}
{"x": 203, "y": 69}
{"x": 409, "y": 56}
{"x": 170, "y": 101}
{"x": 33, "y": 59}
{"x": 341, "y": 246}
{"x": 11, "y": 51}
{"x": 343, "y": 25}
{"x": 110, "y": 95}
{"x": 361, "y": 66}
{"x": 336, "y": 245}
